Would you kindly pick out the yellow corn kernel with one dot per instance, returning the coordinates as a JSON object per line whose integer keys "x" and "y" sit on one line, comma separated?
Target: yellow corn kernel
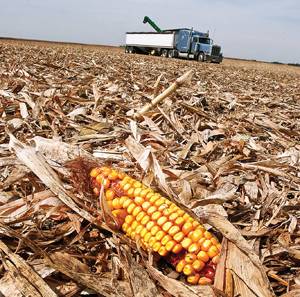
{"x": 131, "y": 207}
{"x": 201, "y": 240}
{"x": 179, "y": 236}
{"x": 170, "y": 245}
{"x": 106, "y": 171}
{"x": 187, "y": 228}
{"x": 149, "y": 195}
{"x": 94, "y": 172}
{"x": 180, "y": 212}
{"x": 152, "y": 241}
{"x": 195, "y": 224}
{"x": 146, "y": 205}
{"x": 173, "y": 206}
{"x": 162, "y": 251}
{"x": 166, "y": 212}
{"x": 143, "y": 232}
{"x": 136, "y": 211}
{"x": 162, "y": 207}
{"x": 156, "y": 215}
{"x": 196, "y": 235}
{"x": 198, "y": 265}
{"x": 139, "y": 200}
{"x": 129, "y": 219}
{"x": 173, "y": 216}
{"x": 134, "y": 224}
{"x": 193, "y": 279}
{"x": 207, "y": 235}
{"x": 109, "y": 194}
{"x": 133, "y": 234}
{"x": 188, "y": 269}
{"x": 137, "y": 184}
{"x": 125, "y": 226}
{"x": 96, "y": 191}
{"x": 130, "y": 192}
{"x": 186, "y": 217}
{"x": 154, "y": 197}
{"x": 156, "y": 246}
{"x": 145, "y": 220}
{"x": 166, "y": 239}
{"x": 121, "y": 175}
{"x": 137, "y": 192}
{"x": 177, "y": 248}
{"x": 113, "y": 175}
{"x": 173, "y": 230}
{"x": 179, "y": 221}
{"x": 194, "y": 248}
{"x": 214, "y": 241}
{"x": 161, "y": 220}
{"x": 140, "y": 216}
{"x": 151, "y": 210}
{"x": 204, "y": 281}
{"x": 150, "y": 225}
{"x": 129, "y": 231}
{"x": 213, "y": 251}
{"x": 122, "y": 199}
{"x": 147, "y": 236}
{"x": 166, "y": 226}
{"x": 127, "y": 202}
{"x": 203, "y": 256}
{"x": 180, "y": 265}
{"x": 159, "y": 202}
{"x": 126, "y": 187}
{"x": 159, "y": 235}
{"x": 154, "y": 230}
{"x": 190, "y": 258}
{"x": 144, "y": 192}
{"x": 186, "y": 242}
{"x": 216, "y": 259}
{"x": 206, "y": 245}
{"x": 116, "y": 203}
{"x": 138, "y": 229}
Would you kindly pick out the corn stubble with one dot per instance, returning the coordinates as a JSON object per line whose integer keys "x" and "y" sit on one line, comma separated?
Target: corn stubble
{"x": 159, "y": 225}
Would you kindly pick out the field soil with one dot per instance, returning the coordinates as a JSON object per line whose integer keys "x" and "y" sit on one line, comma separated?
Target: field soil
{"x": 224, "y": 145}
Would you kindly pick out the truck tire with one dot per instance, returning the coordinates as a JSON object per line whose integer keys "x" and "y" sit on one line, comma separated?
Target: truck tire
{"x": 201, "y": 57}
{"x": 164, "y": 53}
{"x": 170, "y": 54}
{"x": 130, "y": 50}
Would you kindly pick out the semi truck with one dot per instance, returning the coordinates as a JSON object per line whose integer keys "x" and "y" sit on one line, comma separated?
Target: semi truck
{"x": 174, "y": 43}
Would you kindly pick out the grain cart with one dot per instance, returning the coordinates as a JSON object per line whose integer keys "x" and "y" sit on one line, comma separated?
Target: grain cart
{"x": 174, "y": 43}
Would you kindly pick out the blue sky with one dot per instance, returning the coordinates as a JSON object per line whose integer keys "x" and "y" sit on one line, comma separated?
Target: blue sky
{"x": 258, "y": 29}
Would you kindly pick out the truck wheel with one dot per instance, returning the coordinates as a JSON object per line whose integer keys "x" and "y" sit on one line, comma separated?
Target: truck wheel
{"x": 164, "y": 53}
{"x": 171, "y": 54}
{"x": 130, "y": 50}
{"x": 201, "y": 57}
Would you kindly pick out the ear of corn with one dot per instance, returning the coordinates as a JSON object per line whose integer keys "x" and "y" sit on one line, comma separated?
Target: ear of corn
{"x": 159, "y": 225}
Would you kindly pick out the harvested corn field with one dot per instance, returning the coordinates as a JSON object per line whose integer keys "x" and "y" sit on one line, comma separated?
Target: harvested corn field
{"x": 93, "y": 138}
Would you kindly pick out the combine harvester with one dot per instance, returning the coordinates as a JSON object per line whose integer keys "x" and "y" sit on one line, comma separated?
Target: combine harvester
{"x": 174, "y": 43}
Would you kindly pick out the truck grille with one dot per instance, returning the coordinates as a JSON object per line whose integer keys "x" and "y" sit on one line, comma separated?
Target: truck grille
{"x": 215, "y": 51}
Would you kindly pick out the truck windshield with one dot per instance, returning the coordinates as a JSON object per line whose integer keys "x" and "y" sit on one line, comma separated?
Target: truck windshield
{"x": 204, "y": 40}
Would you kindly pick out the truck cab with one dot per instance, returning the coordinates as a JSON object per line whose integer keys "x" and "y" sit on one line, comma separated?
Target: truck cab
{"x": 197, "y": 45}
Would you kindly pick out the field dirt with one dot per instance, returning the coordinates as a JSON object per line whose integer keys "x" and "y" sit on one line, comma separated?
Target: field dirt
{"x": 224, "y": 146}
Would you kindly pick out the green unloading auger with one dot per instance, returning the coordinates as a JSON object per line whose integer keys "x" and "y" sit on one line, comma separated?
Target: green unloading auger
{"x": 152, "y": 24}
